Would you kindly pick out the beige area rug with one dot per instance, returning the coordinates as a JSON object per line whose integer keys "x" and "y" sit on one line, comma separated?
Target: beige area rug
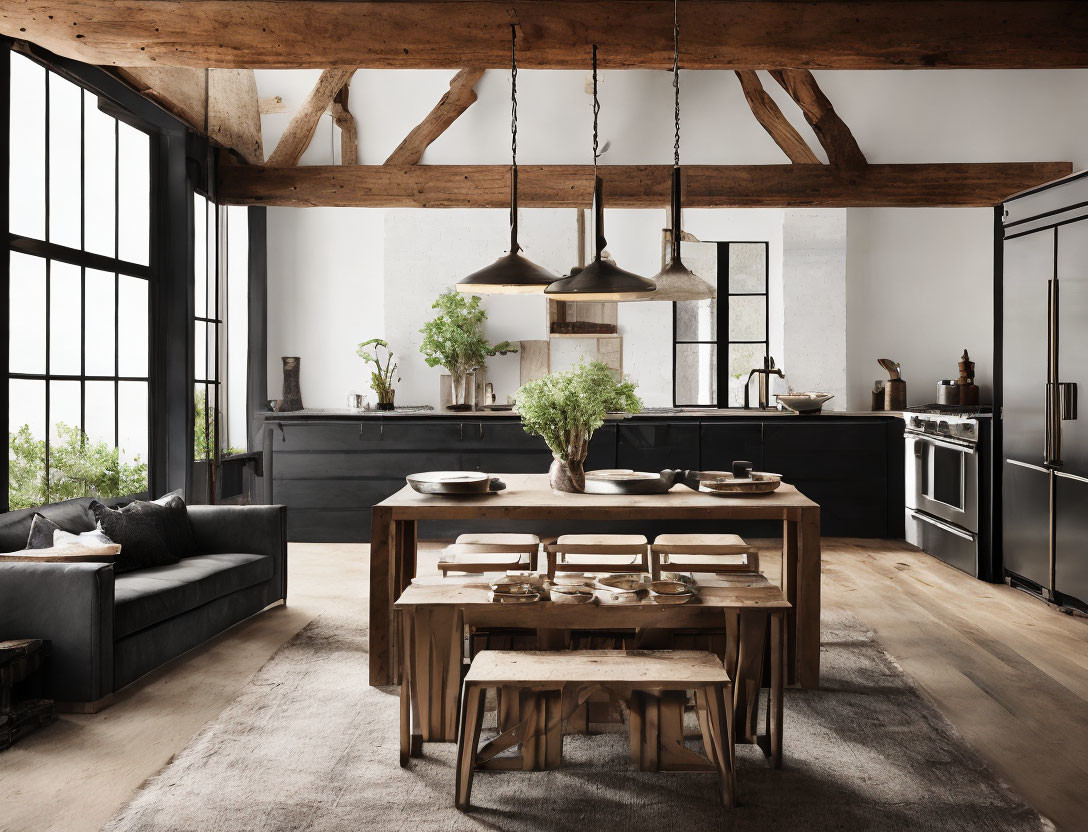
{"x": 309, "y": 746}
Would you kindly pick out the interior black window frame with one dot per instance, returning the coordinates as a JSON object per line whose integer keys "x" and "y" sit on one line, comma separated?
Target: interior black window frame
{"x": 50, "y": 251}
{"x": 723, "y": 342}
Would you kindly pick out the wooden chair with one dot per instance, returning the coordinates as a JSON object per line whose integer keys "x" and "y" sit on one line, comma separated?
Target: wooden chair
{"x": 480, "y": 553}
{"x": 717, "y": 553}
{"x": 615, "y": 553}
{"x": 552, "y": 685}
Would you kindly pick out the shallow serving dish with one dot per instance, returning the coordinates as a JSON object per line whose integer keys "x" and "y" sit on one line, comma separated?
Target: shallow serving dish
{"x": 571, "y": 579}
{"x": 761, "y": 482}
{"x": 571, "y": 595}
{"x": 504, "y": 596}
{"x": 803, "y": 402}
{"x": 626, "y": 481}
{"x": 671, "y": 592}
{"x": 454, "y": 483}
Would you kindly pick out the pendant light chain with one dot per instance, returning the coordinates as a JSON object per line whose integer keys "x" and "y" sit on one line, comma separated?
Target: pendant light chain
{"x": 596, "y": 110}
{"x": 514, "y": 94}
{"x": 514, "y": 247}
{"x": 676, "y": 82}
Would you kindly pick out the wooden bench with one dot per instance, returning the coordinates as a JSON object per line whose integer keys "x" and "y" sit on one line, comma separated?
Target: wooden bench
{"x": 617, "y": 553}
{"x": 553, "y": 685}
{"x": 480, "y": 553}
{"x": 715, "y": 553}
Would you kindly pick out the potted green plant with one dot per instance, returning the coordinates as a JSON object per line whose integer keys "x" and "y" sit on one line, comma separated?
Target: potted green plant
{"x": 455, "y": 340}
{"x": 566, "y": 408}
{"x": 381, "y": 377}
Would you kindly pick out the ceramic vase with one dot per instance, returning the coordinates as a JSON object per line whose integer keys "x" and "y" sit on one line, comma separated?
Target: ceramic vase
{"x": 292, "y": 384}
{"x": 567, "y": 476}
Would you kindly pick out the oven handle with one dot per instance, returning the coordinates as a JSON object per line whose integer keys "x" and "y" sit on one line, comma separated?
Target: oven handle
{"x": 963, "y": 447}
{"x": 948, "y": 527}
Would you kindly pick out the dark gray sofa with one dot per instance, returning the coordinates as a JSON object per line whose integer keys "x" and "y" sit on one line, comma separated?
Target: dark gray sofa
{"x": 107, "y": 630}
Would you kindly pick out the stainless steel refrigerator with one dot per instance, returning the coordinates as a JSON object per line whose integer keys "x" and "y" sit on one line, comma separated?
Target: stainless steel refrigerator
{"x": 1042, "y": 302}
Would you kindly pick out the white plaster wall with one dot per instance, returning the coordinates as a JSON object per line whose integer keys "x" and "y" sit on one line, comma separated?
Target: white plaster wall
{"x": 427, "y": 251}
{"x": 919, "y": 290}
{"x": 325, "y": 295}
{"x": 814, "y": 289}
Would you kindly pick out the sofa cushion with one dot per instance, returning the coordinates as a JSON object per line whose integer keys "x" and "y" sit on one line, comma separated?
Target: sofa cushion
{"x": 149, "y": 596}
{"x": 71, "y": 515}
{"x": 141, "y": 533}
{"x": 41, "y": 532}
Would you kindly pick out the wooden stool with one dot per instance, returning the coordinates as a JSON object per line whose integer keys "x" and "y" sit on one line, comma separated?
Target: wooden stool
{"x": 553, "y": 685}
{"x": 479, "y": 553}
{"x": 615, "y": 553}
{"x": 717, "y": 553}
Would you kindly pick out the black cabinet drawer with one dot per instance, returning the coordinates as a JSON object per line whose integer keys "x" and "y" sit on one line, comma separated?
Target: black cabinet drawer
{"x": 721, "y": 444}
{"x": 307, "y": 525}
{"x": 366, "y": 434}
{"x": 655, "y": 446}
{"x": 507, "y": 461}
{"x": 839, "y": 451}
{"x": 383, "y": 463}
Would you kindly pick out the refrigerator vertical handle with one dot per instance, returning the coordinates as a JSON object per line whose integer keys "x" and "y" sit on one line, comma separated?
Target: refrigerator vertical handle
{"x": 1067, "y": 401}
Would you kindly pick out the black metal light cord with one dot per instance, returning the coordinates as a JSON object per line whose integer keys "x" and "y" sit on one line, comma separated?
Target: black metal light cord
{"x": 514, "y": 247}
{"x": 596, "y": 109}
{"x": 676, "y": 82}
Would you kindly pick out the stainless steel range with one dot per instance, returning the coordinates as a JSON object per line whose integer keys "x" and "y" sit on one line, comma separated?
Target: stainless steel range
{"x": 947, "y": 486}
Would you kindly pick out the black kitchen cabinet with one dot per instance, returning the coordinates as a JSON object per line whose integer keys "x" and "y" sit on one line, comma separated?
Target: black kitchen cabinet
{"x": 723, "y": 443}
{"x": 1070, "y": 532}
{"x": 656, "y": 446}
{"x": 842, "y": 465}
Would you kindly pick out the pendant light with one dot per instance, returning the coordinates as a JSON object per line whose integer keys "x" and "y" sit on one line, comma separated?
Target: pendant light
{"x": 602, "y": 279}
{"x": 677, "y": 282}
{"x": 513, "y": 273}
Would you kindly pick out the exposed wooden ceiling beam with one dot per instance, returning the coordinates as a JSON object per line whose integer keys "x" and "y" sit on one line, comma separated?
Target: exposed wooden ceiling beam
{"x": 633, "y": 186}
{"x": 460, "y": 96}
{"x": 233, "y": 116}
{"x": 769, "y": 115}
{"x": 729, "y": 34}
{"x": 349, "y": 136}
{"x": 296, "y": 138}
{"x": 837, "y": 140}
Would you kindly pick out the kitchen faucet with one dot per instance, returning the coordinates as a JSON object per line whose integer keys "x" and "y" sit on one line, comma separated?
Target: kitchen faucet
{"x": 765, "y": 372}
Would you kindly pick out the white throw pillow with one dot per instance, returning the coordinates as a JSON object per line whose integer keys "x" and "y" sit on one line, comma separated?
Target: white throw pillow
{"x": 93, "y": 538}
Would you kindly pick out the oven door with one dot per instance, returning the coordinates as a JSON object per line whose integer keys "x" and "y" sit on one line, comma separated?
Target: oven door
{"x": 942, "y": 479}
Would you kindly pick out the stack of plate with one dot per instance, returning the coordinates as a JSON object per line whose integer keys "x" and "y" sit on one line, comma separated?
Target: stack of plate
{"x": 454, "y": 483}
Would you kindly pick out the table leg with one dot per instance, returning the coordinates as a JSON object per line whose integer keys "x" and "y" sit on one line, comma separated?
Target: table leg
{"x": 808, "y": 600}
{"x": 381, "y": 602}
{"x": 774, "y": 706}
{"x": 405, "y": 535}
{"x": 405, "y": 693}
{"x": 472, "y": 714}
{"x": 790, "y": 530}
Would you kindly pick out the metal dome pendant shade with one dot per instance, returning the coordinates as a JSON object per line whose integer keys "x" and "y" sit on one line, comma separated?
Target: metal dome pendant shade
{"x": 513, "y": 273}
{"x": 676, "y": 282}
{"x": 601, "y": 280}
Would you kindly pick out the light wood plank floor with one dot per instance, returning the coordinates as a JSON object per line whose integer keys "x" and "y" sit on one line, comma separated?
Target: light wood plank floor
{"x": 1009, "y": 672}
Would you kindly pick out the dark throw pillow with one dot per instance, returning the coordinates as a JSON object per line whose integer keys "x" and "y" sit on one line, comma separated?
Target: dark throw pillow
{"x": 41, "y": 532}
{"x": 142, "y": 535}
{"x": 175, "y": 517}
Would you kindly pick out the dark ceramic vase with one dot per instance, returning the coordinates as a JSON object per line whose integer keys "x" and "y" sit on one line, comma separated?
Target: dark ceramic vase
{"x": 292, "y": 385}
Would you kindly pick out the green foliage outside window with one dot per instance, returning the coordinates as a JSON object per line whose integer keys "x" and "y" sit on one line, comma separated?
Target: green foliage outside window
{"x": 204, "y": 422}
{"x": 78, "y": 467}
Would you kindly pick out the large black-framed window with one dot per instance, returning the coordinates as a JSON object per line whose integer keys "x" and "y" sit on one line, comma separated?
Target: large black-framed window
{"x": 78, "y": 295}
{"x": 717, "y": 342}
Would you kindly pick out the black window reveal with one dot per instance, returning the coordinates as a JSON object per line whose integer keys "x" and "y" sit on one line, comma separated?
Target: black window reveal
{"x": 79, "y": 223}
{"x": 708, "y": 357}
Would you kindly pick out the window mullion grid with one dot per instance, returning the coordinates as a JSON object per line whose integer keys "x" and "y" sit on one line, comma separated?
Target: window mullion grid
{"x": 117, "y": 285}
{"x": 48, "y": 284}
{"x": 83, "y": 269}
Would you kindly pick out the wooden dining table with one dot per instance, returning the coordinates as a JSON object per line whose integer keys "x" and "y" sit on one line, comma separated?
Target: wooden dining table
{"x": 529, "y": 498}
